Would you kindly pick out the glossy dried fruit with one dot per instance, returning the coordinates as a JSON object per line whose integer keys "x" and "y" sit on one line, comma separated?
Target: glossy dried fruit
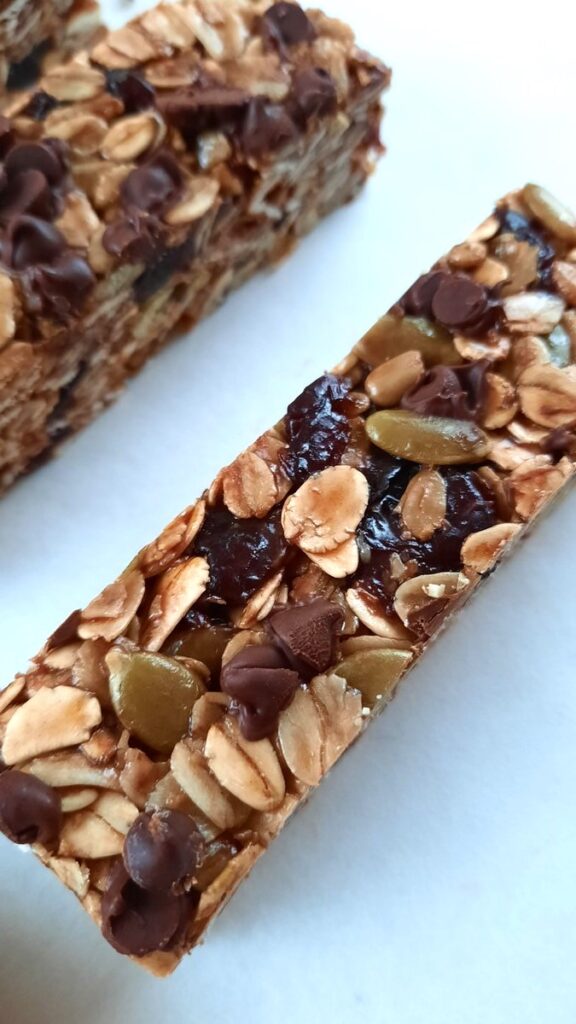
{"x": 241, "y": 553}
{"x": 153, "y": 696}
{"x": 432, "y": 440}
{"x": 317, "y": 427}
{"x": 375, "y": 672}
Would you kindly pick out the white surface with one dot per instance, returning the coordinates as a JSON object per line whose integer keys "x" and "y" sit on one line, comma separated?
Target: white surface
{"x": 432, "y": 878}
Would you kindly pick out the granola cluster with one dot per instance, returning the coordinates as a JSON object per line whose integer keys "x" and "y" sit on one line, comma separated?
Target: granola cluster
{"x": 145, "y": 178}
{"x": 167, "y": 731}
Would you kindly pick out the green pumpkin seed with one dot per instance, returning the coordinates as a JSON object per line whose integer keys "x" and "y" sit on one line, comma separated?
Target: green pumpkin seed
{"x": 431, "y": 440}
{"x": 374, "y": 672}
{"x": 392, "y": 335}
{"x": 153, "y": 696}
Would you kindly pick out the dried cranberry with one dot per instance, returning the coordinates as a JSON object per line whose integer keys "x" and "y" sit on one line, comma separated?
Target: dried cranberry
{"x": 317, "y": 427}
{"x": 524, "y": 230}
{"x": 129, "y": 87}
{"x": 39, "y": 106}
{"x": 469, "y": 507}
{"x": 241, "y": 553}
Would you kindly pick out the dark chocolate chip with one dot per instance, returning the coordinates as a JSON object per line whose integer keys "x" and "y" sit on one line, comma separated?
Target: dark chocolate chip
{"x": 30, "y": 811}
{"x": 136, "y": 922}
{"x": 313, "y": 93}
{"x": 266, "y": 127}
{"x": 165, "y": 264}
{"x": 31, "y": 241}
{"x": 39, "y": 106}
{"x": 287, "y": 24}
{"x": 24, "y": 73}
{"x": 135, "y": 237}
{"x": 129, "y": 87}
{"x": 162, "y": 849}
{"x": 153, "y": 185}
{"x": 200, "y": 108}
{"x": 61, "y": 287}
{"x": 307, "y": 635}
{"x": 457, "y": 392}
{"x": 559, "y": 442}
{"x": 6, "y": 135}
{"x": 261, "y": 681}
{"x": 47, "y": 157}
{"x": 66, "y": 632}
{"x": 317, "y": 427}
{"x": 417, "y": 301}
{"x": 459, "y": 302}
{"x": 27, "y": 192}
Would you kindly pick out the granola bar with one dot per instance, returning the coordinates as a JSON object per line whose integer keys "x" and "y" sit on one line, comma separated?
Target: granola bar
{"x": 143, "y": 181}
{"x": 167, "y": 731}
{"x": 32, "y": 31}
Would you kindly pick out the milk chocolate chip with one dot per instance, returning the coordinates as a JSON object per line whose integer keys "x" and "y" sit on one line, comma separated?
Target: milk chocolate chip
{"x": 263, "y": 684}
{"x": 161, "y": 849}
{"x": 30, "y": 811}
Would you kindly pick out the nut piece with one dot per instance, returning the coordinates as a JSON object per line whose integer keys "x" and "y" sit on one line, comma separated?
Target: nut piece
{"x": 248, "y": 486}
{"x": 315, "y": 729}
{"x": 533, "y": 312}
{"x": 535, "y": 481}
{"x": 191, "y": 771}
{"x": 500, "y": 405}
{"x": 84, "y": 834}
{"x": 371, "y": 615}
{"x": 51, "y": 719}
{"x": 324, "y": 512}
{"x": 481, "y": 551}
{"x": 201, "y": 194}
{"x": 7, "y": 310}
{"x": 548, "y": 395}
{"x": 554, "y": 215}
{"x": 467, "y": 255}
{"x": 130, "y": 137}
{"x": 249, "y": 770}
{"x": 491, "y": 273}
{"x": 176, "y": 591}
{"x": 391, "y": 380}
{"x": 109, "y": 614}
{"x": 423, "y": 504}
{"x": 564, "y": 277}
{"x": 424, "y": 601}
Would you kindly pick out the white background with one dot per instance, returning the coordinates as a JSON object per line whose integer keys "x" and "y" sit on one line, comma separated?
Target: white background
{"x": 433, "y": 877}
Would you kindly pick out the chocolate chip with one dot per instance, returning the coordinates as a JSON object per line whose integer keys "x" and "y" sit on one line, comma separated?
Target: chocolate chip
{"x": 559, "y": 442}
{"x": 166, "y": 263}
{"x": 39, "y": 106}
{"x": 456, "y": 392}
{"x": 47, "y": 157}
{"x": 135, "y": 237}
{"x": 266, "y": 127}
{"x": 263, "y": 684}
{"x": 162, "y": 849}
{"x": 287, "y": 24}
{"x": 417, "y": 301}
{"x": 152, "y": 186}
{"x": 129, "y": 87}
{"x": 307, "y": 635}
{"x": 313, "y": 93}
{"x": 60, "y": 288}
{"x": 200, "y": 108}
{"x": 6, "y": 135}
{"x": 459, "y": 302}
{"x": 30, "y": 811}
{"x": 26, "y": 192}
{"x": 30, "y": 241}
{"x": 136, "y": 922}
{"x": 66, "y": 632}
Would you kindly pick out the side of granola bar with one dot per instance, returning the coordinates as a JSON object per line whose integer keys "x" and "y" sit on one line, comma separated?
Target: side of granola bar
{"x": 144, "y": 181}
{"x": 167, "y": 731}
{"x": 31, "y": 32}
